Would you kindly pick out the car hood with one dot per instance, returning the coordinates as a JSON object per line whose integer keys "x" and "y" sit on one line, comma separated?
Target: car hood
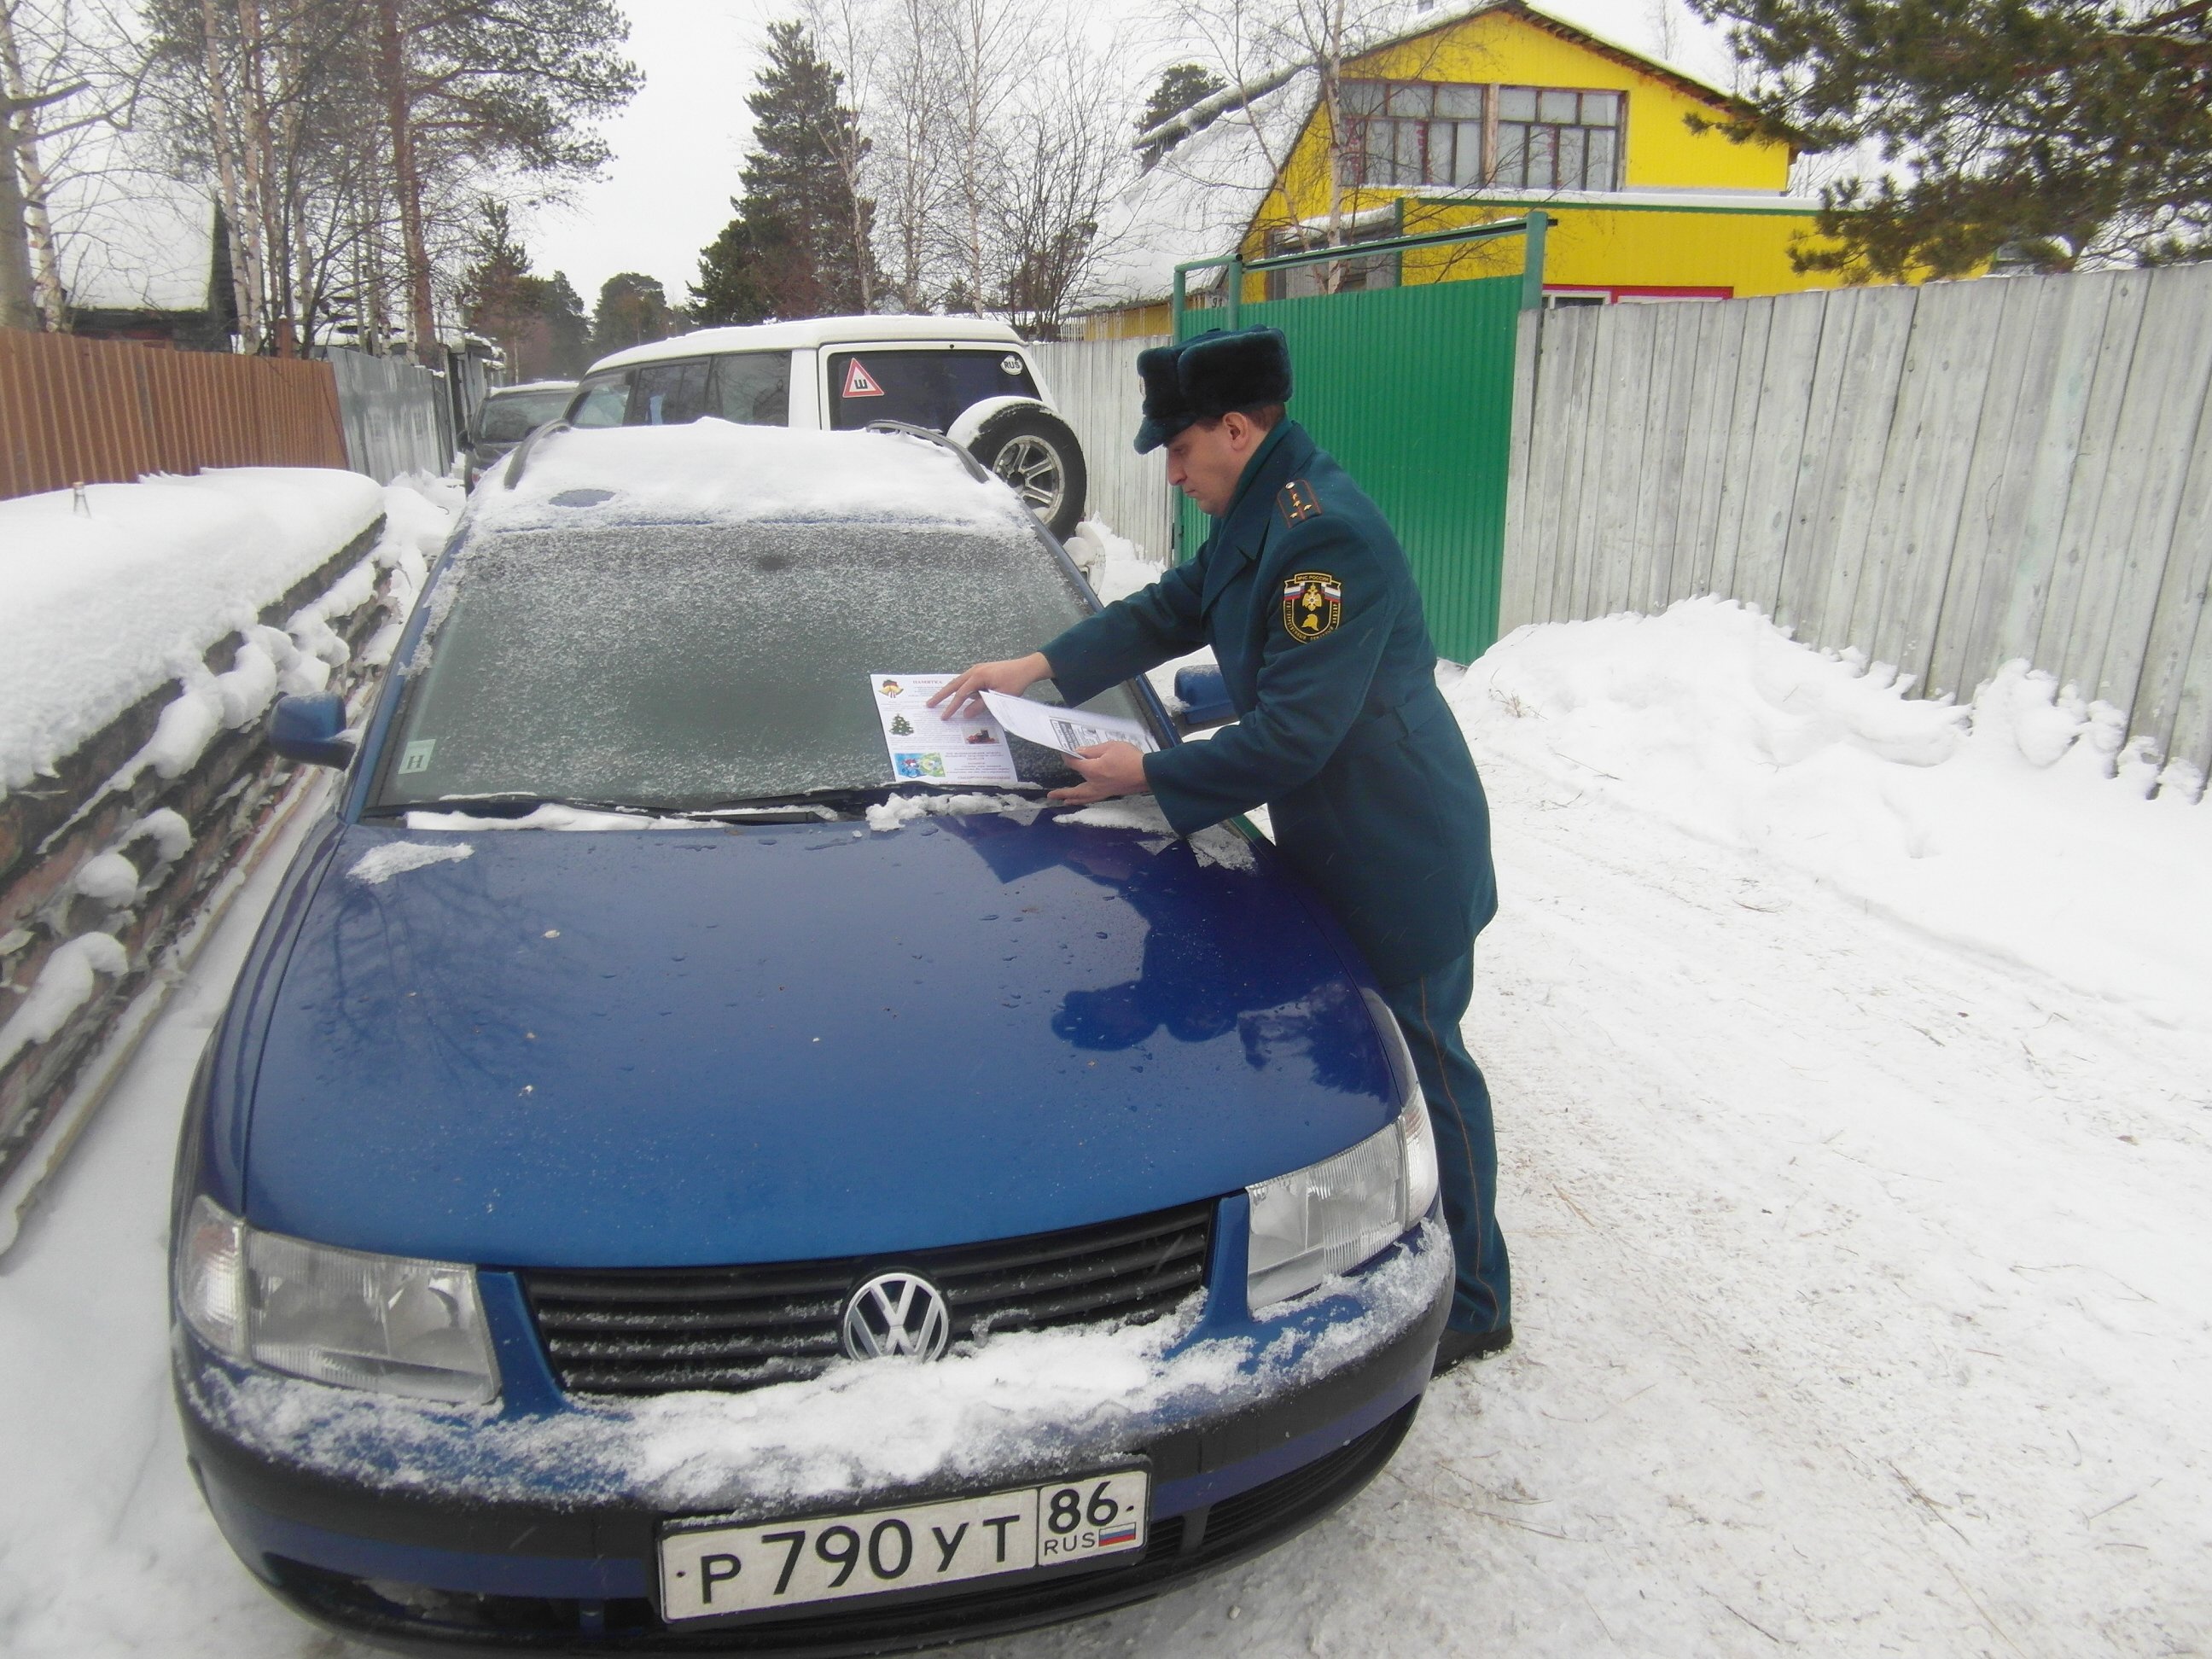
{"x": 651, "y": 1047}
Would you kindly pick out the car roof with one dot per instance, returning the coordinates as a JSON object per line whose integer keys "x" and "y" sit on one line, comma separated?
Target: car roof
{"x": 531, "y": 386}
{"x": 810, "y": 331}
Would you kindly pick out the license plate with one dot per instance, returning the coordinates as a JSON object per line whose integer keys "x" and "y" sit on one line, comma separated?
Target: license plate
{"x": 714, "y": 1572}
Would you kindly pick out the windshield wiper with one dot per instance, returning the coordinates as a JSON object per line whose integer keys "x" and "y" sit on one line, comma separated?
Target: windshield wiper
{"x": 512, "y": 805}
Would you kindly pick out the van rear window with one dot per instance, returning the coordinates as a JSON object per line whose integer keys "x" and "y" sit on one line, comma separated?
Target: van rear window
{"x": 923, "y": 387}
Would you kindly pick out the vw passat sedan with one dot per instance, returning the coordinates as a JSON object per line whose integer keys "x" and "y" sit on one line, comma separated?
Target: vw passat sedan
{"x": 658, "y": 1185}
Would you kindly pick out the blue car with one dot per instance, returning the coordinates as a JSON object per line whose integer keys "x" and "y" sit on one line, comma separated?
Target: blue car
{"x": 666, "y": 1183}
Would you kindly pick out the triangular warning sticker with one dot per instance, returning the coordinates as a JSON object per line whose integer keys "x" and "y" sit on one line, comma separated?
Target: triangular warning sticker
{"x": 858, "y": 382}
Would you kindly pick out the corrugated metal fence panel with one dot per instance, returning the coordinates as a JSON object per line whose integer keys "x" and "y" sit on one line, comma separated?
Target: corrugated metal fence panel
{"x": 391, "y": 413}
{"x": 1094, "y": 386}
{"x": 83, "y": 411}
{"x": 1946, "y": 479}
{"x": 1412, "y": 390}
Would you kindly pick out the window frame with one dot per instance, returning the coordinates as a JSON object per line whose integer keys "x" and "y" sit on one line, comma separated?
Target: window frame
{"x": 1358, "y": 163}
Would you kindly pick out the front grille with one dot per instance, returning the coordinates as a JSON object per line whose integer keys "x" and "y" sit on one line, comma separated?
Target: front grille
{"x": 655, "y": 1331}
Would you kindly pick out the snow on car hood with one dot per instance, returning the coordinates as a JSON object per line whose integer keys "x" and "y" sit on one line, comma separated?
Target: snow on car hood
{"x": 770, "y": 1043}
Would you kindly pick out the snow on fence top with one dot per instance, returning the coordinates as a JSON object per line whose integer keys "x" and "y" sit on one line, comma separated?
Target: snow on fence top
{"x": 713, "y": 469}
{"x": 106, "y": 595}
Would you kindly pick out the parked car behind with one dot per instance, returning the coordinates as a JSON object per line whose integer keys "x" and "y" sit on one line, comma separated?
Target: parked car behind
{"x": 507, "y": 416}
{"x": 973, "y": 381}
{"x": 662, "y": 1182}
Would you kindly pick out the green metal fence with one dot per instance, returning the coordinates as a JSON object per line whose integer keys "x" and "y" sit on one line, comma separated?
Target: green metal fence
{"x": 1412, "y": 390}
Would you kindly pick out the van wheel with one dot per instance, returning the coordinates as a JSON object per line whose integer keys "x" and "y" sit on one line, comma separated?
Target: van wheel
{"x": 1036, "y": 453}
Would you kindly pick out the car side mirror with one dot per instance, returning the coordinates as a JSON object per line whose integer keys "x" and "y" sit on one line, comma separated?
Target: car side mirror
{"x": 306, "y": 730}
{"x": 1204, "y": 697}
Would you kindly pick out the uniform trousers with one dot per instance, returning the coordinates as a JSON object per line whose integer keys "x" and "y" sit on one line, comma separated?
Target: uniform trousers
{"x": 1430, "y": 1009}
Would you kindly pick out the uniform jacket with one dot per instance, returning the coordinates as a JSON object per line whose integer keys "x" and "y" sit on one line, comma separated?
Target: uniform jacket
{"x": 1307, "y": 602}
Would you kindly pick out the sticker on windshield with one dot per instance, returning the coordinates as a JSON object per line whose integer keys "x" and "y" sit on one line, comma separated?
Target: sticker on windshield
{"x": 928, "y": 748}
{"x": 859, "y": 383}
{"x": 418, "y": 756}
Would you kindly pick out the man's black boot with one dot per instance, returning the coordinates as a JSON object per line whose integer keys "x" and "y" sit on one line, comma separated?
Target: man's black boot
{"x": 1459, "y": 1347}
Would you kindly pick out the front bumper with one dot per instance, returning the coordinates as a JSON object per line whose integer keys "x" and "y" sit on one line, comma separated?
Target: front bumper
{"x": 533, "y": 1524}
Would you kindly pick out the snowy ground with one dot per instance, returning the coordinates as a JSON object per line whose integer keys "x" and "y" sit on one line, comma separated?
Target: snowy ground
{"x": 1857, "y": 1202}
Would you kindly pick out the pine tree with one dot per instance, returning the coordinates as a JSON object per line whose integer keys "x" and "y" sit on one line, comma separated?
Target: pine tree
{"x": 2060, "y": 130}
{"x": 537, "y": 322}
{"x": 632, "y": 310}
{"x": 1180, "y": 86}
{"x": 900, "y": 728}
{"x": 797, "y": 246}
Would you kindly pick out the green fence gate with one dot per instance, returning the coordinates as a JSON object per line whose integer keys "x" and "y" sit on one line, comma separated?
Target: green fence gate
{"x": 1411, "y": 388}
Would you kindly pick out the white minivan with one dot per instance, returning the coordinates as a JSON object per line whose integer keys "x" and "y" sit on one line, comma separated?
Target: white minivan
{"x": 975, "y": 380}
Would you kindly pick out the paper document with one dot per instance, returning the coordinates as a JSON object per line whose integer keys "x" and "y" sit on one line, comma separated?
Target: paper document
{"x": 1065, "y": 729}
{"x": 925, "y": 745}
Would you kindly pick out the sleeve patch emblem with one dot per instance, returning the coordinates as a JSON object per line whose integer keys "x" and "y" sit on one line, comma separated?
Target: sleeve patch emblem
{"x": 1297, "y": 501}
{"x": 1313, "y": 603}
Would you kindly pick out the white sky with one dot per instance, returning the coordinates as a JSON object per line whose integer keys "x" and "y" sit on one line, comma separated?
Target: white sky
{"x": 680, "y": 145}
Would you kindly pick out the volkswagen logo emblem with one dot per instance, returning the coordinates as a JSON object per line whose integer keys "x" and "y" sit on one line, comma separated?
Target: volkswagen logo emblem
{"x": 897, "y": 1314}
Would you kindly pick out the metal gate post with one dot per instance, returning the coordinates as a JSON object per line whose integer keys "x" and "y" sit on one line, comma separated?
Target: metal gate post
{"x": 1531, "y": 263}
{"x": 1234, "y": 290}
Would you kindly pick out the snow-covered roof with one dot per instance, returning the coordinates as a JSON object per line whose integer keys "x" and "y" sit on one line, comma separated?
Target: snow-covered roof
{"x": 812, "y": 332}
{"x": 715, "y": 469}
{"x": 1197, "y": 200}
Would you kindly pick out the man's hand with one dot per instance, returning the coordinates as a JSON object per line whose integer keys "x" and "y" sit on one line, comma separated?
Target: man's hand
{"x": 1109, "y": 769}
{"x": 1014, "y": 676}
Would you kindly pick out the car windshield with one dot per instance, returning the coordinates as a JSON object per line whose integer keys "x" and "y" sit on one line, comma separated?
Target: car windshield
{"x": 696, "y": 664}
{"x": 507, "y": 416}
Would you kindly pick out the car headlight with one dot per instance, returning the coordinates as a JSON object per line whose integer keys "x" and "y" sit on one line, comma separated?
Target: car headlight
{"x": 1331, "y": 1216}
{"x": 389, "y": 1324}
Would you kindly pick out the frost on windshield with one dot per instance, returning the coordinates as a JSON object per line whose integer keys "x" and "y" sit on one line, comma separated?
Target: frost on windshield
{"x": 645, "y": 663}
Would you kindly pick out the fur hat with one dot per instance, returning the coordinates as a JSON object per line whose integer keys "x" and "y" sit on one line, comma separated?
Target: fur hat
{"x": 1165, "y": 411}
{"x": 1204, "y": 377}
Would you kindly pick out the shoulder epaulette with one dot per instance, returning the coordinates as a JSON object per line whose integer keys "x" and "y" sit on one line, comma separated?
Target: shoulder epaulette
{"x": 1297, "y": 501}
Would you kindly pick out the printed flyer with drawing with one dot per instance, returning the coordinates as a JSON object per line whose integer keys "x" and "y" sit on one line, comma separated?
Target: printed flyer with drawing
{"x": 930, "y": 748}
{"x": 1065, "y": 729}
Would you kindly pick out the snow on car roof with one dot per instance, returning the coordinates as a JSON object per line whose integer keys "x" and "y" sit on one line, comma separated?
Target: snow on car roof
{"x": 810, "y": 332}
{"x": 531, "y": 386}
{"x": 714, "y": 470}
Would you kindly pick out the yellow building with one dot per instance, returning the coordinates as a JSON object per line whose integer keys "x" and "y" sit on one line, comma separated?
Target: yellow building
{"x": 1483, "y": 116}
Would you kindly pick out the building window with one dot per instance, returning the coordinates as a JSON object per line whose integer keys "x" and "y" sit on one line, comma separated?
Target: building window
{"x": 1371, "y": 271}
{"x": 1413, "y": 132}
{"x": 1549, "y": 139}
{"x": 1421, "y": 132}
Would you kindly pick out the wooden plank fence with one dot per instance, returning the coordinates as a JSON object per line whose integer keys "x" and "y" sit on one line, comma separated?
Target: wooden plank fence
{"x": 1094, "y": 386}
{"x": 84, "y": 411}
{"x": 1945, "y": 478}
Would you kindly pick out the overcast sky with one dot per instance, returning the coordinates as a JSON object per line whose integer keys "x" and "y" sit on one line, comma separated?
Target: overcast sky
{"x": 678, "y": 148}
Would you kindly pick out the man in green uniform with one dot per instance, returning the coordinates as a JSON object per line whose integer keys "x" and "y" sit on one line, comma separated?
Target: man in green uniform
{"x": 1306, "y": 599}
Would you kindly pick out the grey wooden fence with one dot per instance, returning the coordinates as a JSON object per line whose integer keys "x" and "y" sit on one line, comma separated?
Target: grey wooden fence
{"x": 1093, "y": 385}
{"x": 394, "y": 415}
{"x": 1946, "y": 478}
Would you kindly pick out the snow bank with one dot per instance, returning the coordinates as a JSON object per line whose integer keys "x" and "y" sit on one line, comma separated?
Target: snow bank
{"x": 66, "y": 983}
{"x": 2016, "y": 826}
{"x": 711, "y": 468}
{"x": 100, "y": 603}
{"x": 1021, "y": 1403}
